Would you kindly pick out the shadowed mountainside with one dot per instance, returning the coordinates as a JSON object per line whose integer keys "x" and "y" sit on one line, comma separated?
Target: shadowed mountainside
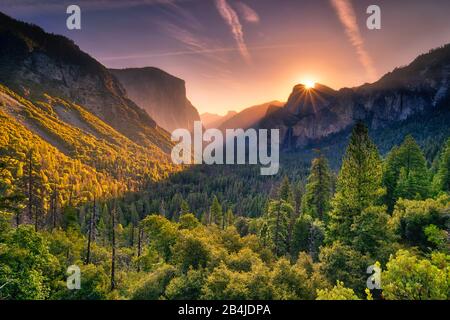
{"x": 162, "y": 95}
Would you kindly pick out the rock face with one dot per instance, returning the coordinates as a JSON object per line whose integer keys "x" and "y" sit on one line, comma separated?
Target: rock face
{"x": 162, "y": 95}
{"x": 314, "y": 113}
{"x": 33, "y": 62}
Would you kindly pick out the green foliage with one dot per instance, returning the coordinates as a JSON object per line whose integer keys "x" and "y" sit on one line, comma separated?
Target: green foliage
{"x": 188, "y": 221}
{"x": 372, "y": 236}
{"x": 94, "y": 285}
{"x": 272, "y": 249}
{"x": 307, "y": 236}
{"x": 216, "y": 213}
{"x": 338, "y": 292}
{"x": 343, "y": 263}
{"x": 411, "y": 218}
{"x": 405, "y": 173}
{"x": 409, "y": 277}
{"x": 442, "y": 179}
{"x": 285, "y": 191}
{"x": 290, "y": 282}
{"x": 316, "y": 201}
{"x": 277, "y": 221}
{"x": 154, "y": 284}
{"x": 190, "y": 251}
{"x": 26, "y": 265}
{"x": 358, "y": 185}
{"x": 438, "y": 237}
{"x": 186, "y": 286}
{"x": 161, "y": 233}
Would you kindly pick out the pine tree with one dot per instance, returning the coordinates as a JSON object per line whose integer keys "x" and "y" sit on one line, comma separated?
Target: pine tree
{"x": 391, "y": 172}
{"x": 442, "y": 178}
{"x": 229, "y": 218}
{"x": 316, "y": 201}
{"x": 113, "y": 245}
{"x": 31, "y": 183}
{"x": 92, "y": 228}
{"x": 298, "y": 197}
{"x": 134, "y": 220}
{"x": 285, "y": 191}
{"x": 278, "y": 221}
{"x": 216, "y": 214}
{"x": 12, "y": 199}
{"x": 205, "y": 218}
{"x": 405, "y": 173}
{"x": 358, "y": 184}
{"x": 184, "y": 208}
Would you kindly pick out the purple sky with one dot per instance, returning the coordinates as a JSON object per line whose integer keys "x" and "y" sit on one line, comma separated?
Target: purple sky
{"x": 238, "y": 53}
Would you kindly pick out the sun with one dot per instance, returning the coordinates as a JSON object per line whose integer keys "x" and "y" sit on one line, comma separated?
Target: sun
{"x": 309, "y": 84}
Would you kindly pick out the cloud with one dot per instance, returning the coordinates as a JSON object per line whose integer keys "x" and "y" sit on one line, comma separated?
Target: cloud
{"x": 195, "y": 43}
{"x": 196, "y": 49}
{"x": 247, "y": 12}
{"x": 231, "y": 18}
{"x": 54, "y": 5}
{"x": 346, "y": 14}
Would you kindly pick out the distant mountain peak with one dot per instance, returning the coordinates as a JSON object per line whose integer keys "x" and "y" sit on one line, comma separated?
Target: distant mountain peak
{"x": 34, "y": 62}
{"x": 315, "y": 113}
{"x": 161, "y": 94}
{"x": 306, "y": 100}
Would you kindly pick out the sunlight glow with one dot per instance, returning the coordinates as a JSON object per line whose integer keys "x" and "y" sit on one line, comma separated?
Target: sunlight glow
{"x": 309, "y": 84}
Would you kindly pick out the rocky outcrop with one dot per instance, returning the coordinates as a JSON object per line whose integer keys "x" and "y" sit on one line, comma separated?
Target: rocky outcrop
{"x": 33, "y": 62}
{"x": 314, "y": 113}
{"x": 162, "y": 95}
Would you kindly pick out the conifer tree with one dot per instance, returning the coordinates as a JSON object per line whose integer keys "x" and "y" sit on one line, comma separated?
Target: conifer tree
{"x": 229, "y": 218}
{"x": 216, "y": 214}
{"x": 442, "y": 178}
{"x": 184, "y": 207}
{"x": 358, "y": 184}
{"x": 285, "y": 191}
{"x": 278, "y": 221}
{"x": 405, "y": 173}
{"x": 316, "y": 201}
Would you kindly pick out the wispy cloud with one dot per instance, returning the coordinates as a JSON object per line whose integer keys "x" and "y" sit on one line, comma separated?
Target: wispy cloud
{"x": 347, "y": 16}
{"x": 247, "y": 12}
{"x": 231, "y": 18}
{"x": 193, "y": 43}
{"x": 49, "y": 5}
{"x": 196, "y": 50}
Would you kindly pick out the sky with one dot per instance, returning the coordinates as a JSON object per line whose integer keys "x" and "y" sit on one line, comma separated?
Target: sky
{"x": 237, "y": 53}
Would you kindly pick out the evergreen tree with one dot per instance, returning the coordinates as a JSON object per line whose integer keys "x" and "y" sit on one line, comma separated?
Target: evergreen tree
{"x": 229, "y": 218}
{"x": 216, "y": 214}
{"x": 184, "y": 207}
{"x": 11, "y": 172}
{"x": 285, "y": 191}
{"x": 405, "y": 173}
{"x": 442, "y": 178}
{"x": 278, "y": 220}
{"x": 298, "y": 197}
{"x": 316, "y": 201}
{"x": 358, "y": 184}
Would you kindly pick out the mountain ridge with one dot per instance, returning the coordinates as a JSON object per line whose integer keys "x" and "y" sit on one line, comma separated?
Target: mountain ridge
{"x": 34, "y": 63}
{"x": 160, "y": 94}
{"x": 313, "y": 114}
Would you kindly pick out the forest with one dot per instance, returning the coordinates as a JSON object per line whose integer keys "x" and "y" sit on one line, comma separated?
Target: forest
{"x": 147, "y": 232}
